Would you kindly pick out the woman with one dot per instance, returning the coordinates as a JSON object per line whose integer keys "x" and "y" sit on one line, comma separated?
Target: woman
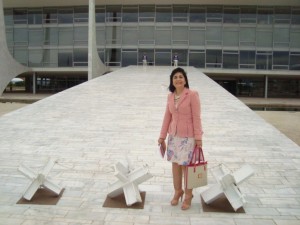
{"x": 182, "y": 122}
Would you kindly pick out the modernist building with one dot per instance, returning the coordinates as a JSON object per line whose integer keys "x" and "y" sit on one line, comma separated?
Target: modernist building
{"x": 252, "y": 48}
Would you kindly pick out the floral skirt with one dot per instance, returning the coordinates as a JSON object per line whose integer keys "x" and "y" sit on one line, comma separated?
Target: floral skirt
{"x": 180, "y": 150}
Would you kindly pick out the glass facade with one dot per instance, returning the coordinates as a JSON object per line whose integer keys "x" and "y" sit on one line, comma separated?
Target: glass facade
{"x": 227, "y": 37}
{"x": 203, "y": 36}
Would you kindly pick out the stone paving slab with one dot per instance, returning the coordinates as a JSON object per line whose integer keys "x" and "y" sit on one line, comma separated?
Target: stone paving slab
{"x": 91, "y": 126}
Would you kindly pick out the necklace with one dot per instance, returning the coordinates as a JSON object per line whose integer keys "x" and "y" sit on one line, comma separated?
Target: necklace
{"x": 177, "y": 97}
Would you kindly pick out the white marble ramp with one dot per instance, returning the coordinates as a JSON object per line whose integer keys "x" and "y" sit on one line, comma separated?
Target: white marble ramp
{"x": 89, "y": 127}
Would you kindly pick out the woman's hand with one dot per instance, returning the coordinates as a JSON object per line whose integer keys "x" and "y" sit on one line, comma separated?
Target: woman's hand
{"x": 198, "y": 143}
{"x": 162, "y": 143}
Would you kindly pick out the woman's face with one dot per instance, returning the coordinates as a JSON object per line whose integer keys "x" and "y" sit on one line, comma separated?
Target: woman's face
{"x": 178, "y": 80}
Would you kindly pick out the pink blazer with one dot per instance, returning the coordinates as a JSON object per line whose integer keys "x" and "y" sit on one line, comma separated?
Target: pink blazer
{"x": 185, "y": 120}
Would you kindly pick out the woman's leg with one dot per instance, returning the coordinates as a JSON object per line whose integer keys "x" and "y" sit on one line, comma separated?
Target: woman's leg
{"x": 188, "y": 195}
{"x": 177, "y": 182}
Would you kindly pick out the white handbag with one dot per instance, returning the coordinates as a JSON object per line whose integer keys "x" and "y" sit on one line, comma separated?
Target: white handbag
{"x": 196, "y": 171}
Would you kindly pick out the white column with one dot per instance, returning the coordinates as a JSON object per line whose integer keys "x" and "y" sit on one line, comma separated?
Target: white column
{"x": 95, "y": 65}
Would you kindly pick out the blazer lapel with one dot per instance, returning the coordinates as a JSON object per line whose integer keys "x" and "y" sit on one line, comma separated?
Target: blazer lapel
{"x": 183, "y": 96}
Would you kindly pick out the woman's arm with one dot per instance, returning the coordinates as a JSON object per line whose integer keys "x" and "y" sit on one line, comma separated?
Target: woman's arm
{"x": 196, "y": 115}
{"x": 166, "y": 122}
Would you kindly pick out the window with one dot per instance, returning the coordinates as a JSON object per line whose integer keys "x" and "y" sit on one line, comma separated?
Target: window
{"x": 280, "y": 60}
{"x": 65, "y": 16}
{"x": 113, "y": 35}
{"x": 8, "y": 17}
{"x": 163, "y": 36}
{"x": 81, "y": 35}
{"x": 100, "y": 15}
{"x": 81, "y": 57}
{"x": 295, "y": 16}
{"x": 295, "y": 61}
{"x": 36, "y": 37}
{"x": 265, "y": 15}
{"x": 248, "y": 14}
{"x": 130, "y": 14}
{"x": 100, "y": 36}
{"x": 180, "y": 13}
{"x": 263, "y": 60}
{"x": 180, "y": 35}
{"x": 283, "y": 87}
{"x": 231, "y": 15}
{"x": 253, "y": 87}
{"x": 81, "y": 15}
{"x": 247, "y": 36}
{"x": 213, "y": 58}
{"x": 113, "y": 13}
{"x": 163, "y": 57}
{"x": 247, "y": 59}
{"x": 130, "y": 35}
{"x": 146, "y": 13}
{"x": 129, "y": 57}
{"x": 49, "y": 15}
{"x": 66, "y": 36}
{"x": 197, "y": 14}
{"x": 197, "y": 58}
{"x": 36, "y": 57}
{"x": 50, "y": 58}
{"x": 20, "y": 16}
{"x": 230, "y": 59}
{"x": 214, "y": 14}
{"x": 230, "y": 36}
{"x": 146, "y": 35}
{"x": 197, "y": 36}
{"x": 20, "y": 36}
{"x": 21, "y": 55}
{"x": 294, "y": 38}
{"x": 264, "y": 38}
{"x": 51, "y": 36}
{"x": 163, "y": 13}
{"x": 113, "y": 56}
{"x": 65, "y": 58}
{"x": 9, "y": 37}
{"x": 35, "y": 16}
{"x": 214, "y": 35}
{"x": 282, "y": 15}
{"x": 281, "y": 37}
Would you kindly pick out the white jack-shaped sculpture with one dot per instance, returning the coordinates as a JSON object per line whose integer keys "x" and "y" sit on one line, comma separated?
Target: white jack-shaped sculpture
{"x": 39, "y": 180}
{"x": 227, "y": 184}
{"x": 128, "y": 181}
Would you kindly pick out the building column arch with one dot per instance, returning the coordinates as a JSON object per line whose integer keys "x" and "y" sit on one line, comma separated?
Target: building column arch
{"x": 9, "y": 67}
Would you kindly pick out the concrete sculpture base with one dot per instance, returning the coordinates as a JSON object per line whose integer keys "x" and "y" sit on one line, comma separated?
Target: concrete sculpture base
{"x": 120, "y": 202}
{"x": 43, "y": 197}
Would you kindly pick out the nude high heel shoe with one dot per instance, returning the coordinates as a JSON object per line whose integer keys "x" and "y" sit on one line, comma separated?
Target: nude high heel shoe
{"x": 187, "y": 202}
{"x": 178, "y": 195}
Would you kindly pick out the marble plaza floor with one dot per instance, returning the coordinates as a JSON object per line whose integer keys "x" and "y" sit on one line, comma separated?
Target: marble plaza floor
{"x": 90, "y": 127}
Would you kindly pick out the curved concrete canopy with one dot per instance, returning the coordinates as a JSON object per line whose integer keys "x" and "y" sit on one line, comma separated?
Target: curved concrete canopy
{"x": 9, "y": 67}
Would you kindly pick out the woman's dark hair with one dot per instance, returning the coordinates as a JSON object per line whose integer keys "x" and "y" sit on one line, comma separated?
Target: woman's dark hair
{"x": 178, "y": 70}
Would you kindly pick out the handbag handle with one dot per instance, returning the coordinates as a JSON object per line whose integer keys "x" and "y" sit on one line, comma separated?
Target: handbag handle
{"x": 194, "y": 156}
